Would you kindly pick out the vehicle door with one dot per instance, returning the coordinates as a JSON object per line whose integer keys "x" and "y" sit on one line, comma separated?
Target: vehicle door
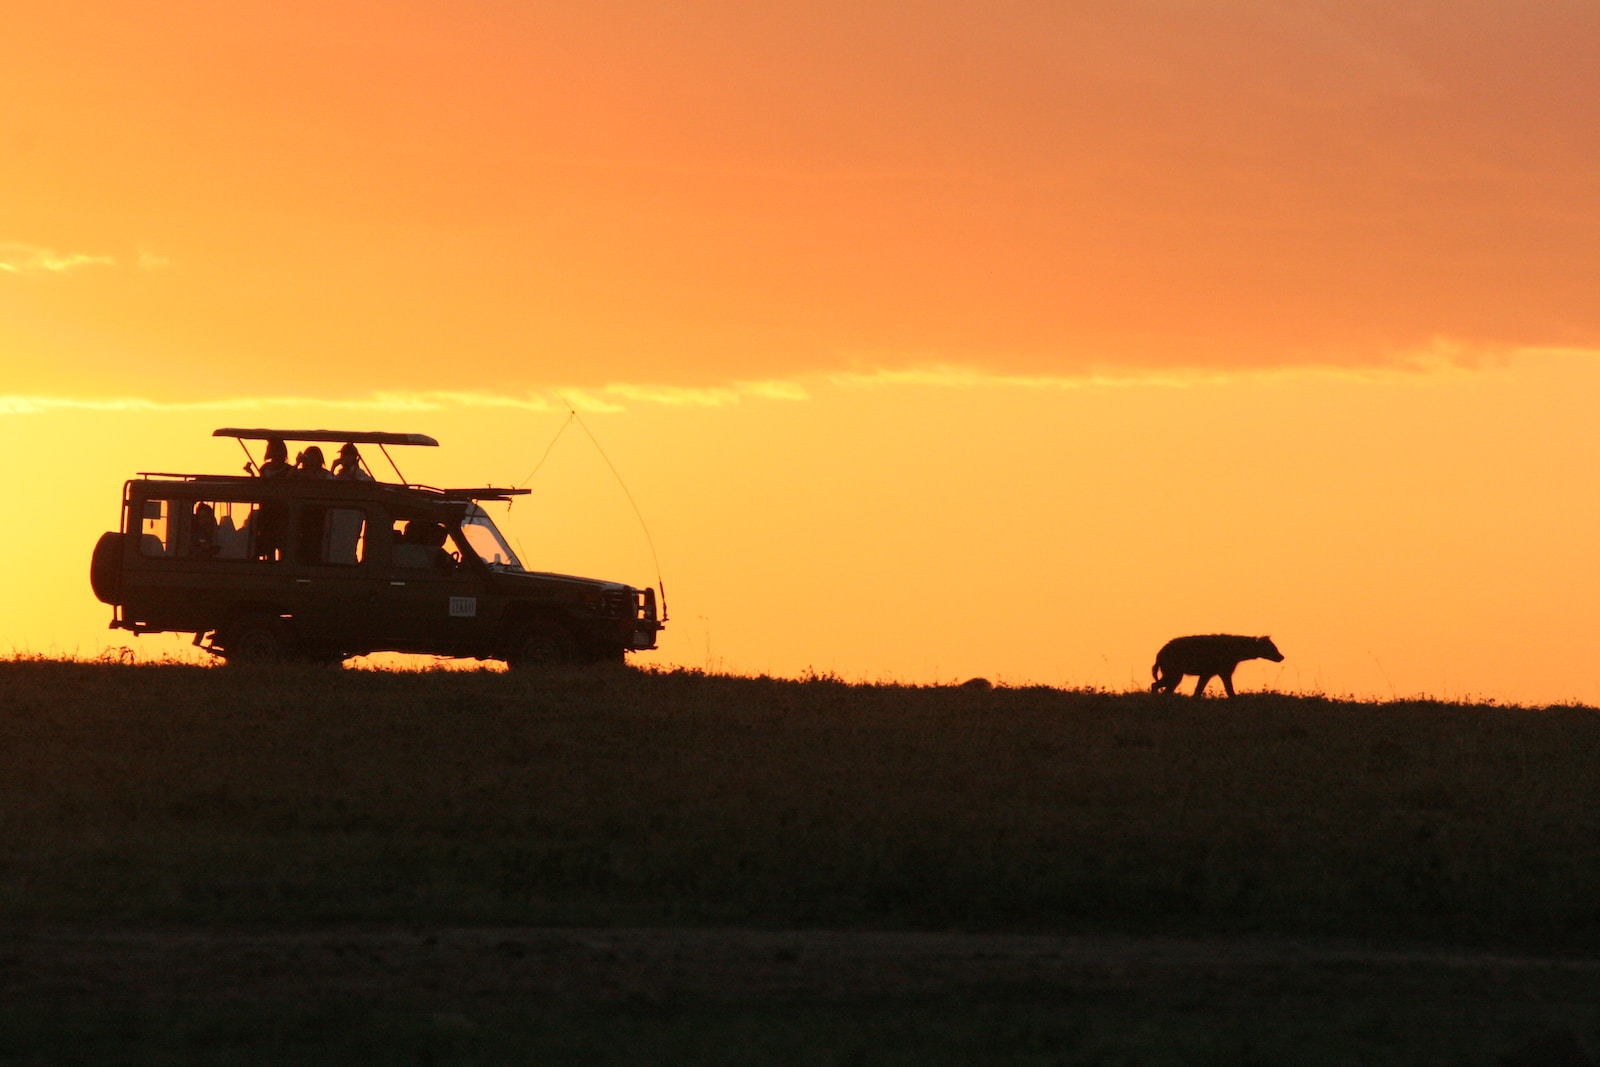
{"x": 334, "y": 602}
{"x": 193, "y": 560}
{"x": 431, "y": 596}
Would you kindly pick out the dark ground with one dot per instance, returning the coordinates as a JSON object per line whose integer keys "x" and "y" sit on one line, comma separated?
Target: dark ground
{"x": 311, "y": 866}
{"x": 114, "y": 995}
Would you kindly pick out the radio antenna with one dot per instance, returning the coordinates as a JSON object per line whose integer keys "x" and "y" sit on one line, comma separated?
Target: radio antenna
{"x": 573, "y": 416}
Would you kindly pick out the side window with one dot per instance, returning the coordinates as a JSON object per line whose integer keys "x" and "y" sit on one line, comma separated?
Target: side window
{"x": 223, "y": 530}
{"x": 154, "y": 529}
{"x": 332, "y": 536}
{"x": 189, "y": 529}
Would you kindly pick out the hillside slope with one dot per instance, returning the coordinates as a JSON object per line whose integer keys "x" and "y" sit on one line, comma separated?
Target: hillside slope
{"x": 304, "y": 796}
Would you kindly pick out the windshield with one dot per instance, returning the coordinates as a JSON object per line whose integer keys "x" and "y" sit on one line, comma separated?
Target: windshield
{"x": 486, "y": 540}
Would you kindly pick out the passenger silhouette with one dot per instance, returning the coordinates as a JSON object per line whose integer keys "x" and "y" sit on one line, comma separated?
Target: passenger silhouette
{"x": 271, "y": 522}
{"x": 431, "y": 535}
{"x": 421, "y": 544}
{"x": 203, "y": 531}
{"x": 277, "y": 462}
{"x": 348, "y": 466}
{"x": 310, "y": 464}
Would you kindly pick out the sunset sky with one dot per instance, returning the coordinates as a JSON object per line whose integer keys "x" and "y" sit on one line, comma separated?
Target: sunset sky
{"x": 933, "y": 340}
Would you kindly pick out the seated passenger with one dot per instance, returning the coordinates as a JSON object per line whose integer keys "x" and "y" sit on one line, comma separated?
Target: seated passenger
{"x": 404, "y": 550}
{"x": 203, "y": 532}
{"x": 271, "y": 526}
{"x": 434, "y": 536}
{"x": 348, "y": 465}
{"x": 276, "y": 464}
{"x": 310, "y": 464}
{"x": 421, "y": 544}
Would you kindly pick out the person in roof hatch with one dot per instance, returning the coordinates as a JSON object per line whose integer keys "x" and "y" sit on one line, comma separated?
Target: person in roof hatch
{"x": 276, "y": 464}
{"x": 272, "y": 522}
{"x": 348, "y": 466}
{"x": 310, "y": 464}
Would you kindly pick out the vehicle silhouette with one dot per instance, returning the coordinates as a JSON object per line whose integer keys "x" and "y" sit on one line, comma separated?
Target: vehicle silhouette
{"x": 322, "y": 569}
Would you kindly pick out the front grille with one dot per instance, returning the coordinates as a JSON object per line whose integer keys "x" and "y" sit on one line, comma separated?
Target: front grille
{"x": 644, "y": 605}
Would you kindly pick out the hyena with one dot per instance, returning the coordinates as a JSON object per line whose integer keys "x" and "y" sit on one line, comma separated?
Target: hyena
{"x": 1209, "y": 656}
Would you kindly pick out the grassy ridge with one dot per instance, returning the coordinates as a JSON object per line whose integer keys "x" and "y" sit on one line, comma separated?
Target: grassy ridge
{"x": 301, "y": 795}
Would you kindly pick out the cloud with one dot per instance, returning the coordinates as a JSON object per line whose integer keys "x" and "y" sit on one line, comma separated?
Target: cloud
{"x": 607, "y": 399}
{"x": 714, "y": 396}
{"x": 40, "y": 405}
{"x": 397, "y": 402}
{"x": 427, "y": 401}
{"x": 1441, "y": 358}
{"x": 775, "y": 390}
{"x": 18, "y": 258}
{"x": 955, "y": 376}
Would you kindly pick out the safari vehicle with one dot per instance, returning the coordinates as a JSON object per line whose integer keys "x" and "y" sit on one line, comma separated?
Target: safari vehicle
{"x": 322, "y": 569}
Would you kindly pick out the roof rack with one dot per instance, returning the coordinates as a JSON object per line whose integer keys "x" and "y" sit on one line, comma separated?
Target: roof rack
{"x": 485, "y": 493}
{"x": 358, "y": 437}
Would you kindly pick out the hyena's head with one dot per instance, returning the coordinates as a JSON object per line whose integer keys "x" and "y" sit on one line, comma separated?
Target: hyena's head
{"x": 1267, "y": 650}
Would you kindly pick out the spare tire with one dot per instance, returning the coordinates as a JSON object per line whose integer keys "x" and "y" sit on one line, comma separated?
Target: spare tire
{"x": 105, "y": 568}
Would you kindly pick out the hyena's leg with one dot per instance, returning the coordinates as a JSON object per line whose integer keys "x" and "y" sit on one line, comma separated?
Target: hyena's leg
{"x": 1227, "y": 682}
{"x": 1200, "y": 686}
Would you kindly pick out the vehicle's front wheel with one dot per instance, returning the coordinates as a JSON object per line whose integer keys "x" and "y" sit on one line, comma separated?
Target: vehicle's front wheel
{"x": 540, "y": 644}
{"x": 255, "y": 639}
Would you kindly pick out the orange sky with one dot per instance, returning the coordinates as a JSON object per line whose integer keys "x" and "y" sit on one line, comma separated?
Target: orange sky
{"x": 946, "y": 227}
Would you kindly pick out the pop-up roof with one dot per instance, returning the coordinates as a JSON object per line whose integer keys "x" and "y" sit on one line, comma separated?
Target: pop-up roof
{"x": 336, "y": 436}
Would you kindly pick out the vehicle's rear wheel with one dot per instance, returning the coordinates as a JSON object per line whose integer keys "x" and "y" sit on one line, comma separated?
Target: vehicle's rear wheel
{"x": 540, "y": 644}
{"x": 255, "y": 639}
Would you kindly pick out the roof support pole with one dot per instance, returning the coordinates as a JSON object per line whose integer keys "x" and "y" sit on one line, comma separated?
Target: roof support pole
{"x": 392, "y": 463}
